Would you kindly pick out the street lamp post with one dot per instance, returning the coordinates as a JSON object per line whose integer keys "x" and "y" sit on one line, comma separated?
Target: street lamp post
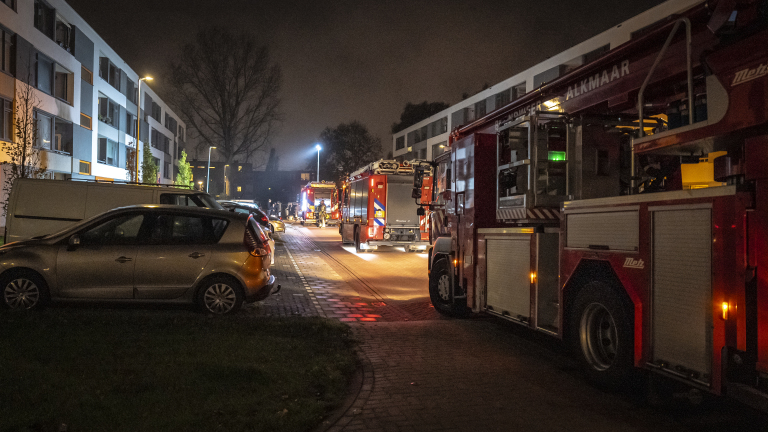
{"x": 317, "y": 146}
{"x": 138, "y": 125}
{"x": 208, "y": 178}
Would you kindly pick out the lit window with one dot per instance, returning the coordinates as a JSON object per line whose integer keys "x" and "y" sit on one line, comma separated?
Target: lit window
{"x": 239, "y": 189}
{"x": 239, "y": 168}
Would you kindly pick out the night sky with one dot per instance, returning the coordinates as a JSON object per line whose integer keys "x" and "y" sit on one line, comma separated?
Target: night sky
{"x": 358, "y": 59}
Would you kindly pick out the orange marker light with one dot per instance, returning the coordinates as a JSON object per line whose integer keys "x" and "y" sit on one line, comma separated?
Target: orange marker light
{"x": 533, "y": 277}
{"x": 726, "y": 308}
{"x": 455, "y": 262}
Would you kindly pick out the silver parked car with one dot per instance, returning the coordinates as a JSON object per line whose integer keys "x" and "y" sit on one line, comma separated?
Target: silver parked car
{"x": 154, "y": 253}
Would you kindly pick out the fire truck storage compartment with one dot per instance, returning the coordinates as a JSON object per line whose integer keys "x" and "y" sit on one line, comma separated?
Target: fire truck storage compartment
{"x": 401, "y": 208}
{"x": 546, "y": 281}
{"x": 509, "y": 283}
{"x": 603, "y": 229}
{"x": 682, "y": 290}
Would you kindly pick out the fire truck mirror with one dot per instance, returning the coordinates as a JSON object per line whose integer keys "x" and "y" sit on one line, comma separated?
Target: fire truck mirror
{"x": 420, "y": 211}
{"x": 418, "y": 179}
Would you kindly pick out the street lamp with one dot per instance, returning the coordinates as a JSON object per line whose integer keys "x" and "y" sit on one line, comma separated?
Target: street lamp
{"x": 138, "y": 126}
{"x": 318, "y": 148}
{"x": 208, "y": 179}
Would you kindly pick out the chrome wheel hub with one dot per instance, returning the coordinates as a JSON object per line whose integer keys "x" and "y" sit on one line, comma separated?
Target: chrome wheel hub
{"x": 219, "y": 298}
{"x": 444, "y": 288}
{"x": 599, "y": 336}
{"x": 21, "y": 293}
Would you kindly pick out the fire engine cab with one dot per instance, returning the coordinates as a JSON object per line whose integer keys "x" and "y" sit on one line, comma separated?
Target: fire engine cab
{"x": 312, "y": 194}
{"x": 623, "y": 206}
{"x": 378, "y": 209}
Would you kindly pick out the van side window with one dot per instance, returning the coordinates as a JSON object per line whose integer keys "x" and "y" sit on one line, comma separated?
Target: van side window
{"x": 179, "y": 200}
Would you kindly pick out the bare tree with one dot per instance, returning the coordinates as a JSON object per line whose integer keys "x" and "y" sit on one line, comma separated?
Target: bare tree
{"x": 346, "y": 147}
{"x": 25, "y": 160}
{"x": 226, "y": 89}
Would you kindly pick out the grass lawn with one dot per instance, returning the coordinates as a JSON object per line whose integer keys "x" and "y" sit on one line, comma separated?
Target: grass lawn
{"x": 169, "y": 370}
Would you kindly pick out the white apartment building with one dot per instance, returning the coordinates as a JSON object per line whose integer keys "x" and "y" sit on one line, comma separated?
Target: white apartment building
{"x": 429, "y": 138}
{"x": 87, "y": 115}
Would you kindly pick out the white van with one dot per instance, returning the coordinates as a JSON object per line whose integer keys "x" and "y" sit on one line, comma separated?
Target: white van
{"x": 39, "y": 207}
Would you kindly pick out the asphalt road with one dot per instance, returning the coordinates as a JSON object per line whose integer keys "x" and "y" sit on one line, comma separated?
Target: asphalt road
{"x": 427, "y": 372}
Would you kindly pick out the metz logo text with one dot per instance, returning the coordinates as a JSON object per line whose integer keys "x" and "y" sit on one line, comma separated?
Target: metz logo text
{"x": 749, "y": 74}
{"x": 634, "y": 263}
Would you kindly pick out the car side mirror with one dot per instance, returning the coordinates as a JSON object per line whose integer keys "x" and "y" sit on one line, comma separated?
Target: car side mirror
{"x": 73, "y": 243}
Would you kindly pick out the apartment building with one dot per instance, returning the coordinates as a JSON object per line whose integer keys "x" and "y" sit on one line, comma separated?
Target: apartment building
{"x": 429, "y": 138}
{"x": 87, "y": 115}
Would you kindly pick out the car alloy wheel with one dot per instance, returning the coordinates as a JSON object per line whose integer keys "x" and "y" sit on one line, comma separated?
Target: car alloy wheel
{"x": 21, "y": 293}
{"x": 220, "y": 298}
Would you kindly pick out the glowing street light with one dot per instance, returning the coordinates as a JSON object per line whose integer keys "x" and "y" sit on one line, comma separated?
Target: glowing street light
{"x": 208, "y": 178}
{"x": 318, "y": 148}
{"x": 138, "y": 125}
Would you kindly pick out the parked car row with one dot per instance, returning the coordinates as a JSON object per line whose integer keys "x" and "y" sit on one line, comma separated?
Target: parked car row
{"x": 189, "y": 250}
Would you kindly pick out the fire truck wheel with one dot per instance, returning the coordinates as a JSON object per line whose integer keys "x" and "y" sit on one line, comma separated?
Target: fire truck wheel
{"x": 358, "y": 249}
{"x": 440, "y": 289}
{"x": 602, "y": 335}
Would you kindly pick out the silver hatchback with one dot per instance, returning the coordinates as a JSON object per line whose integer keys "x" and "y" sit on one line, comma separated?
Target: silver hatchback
{"x": 149, "y": 253}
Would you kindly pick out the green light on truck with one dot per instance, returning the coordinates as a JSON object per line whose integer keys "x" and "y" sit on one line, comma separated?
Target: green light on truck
{"x": 556, "y": 156}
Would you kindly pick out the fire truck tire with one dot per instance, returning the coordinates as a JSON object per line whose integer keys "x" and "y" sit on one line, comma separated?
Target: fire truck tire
{"x": 602, "y": 335}
{"x": 358, "y": 249}
{"x": 440, "y": 290}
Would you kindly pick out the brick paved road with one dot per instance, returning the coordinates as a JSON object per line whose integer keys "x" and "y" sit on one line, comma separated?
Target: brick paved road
{"x": 426, "y": 373}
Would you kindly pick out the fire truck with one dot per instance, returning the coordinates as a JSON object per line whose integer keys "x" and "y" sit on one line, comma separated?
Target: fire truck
{"x": 312, "y": 194}
{"x": 378, "y": 210}
{"x": 623, "y": 206}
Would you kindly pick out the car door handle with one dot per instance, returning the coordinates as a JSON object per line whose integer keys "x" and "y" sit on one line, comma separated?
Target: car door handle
{"x": 196, "y": 255}
{"x": 123, "y": 259}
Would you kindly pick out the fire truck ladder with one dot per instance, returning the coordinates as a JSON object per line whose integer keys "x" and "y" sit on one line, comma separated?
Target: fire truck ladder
{"x": 640, "y": 94}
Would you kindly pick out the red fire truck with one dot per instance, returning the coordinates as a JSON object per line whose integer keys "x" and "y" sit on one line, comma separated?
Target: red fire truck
{"x": 378, "y": 210}
{"x": 623, "y": 207}
{"x": 312, "y": 194}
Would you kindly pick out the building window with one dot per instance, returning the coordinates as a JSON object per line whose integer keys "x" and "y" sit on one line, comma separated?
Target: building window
{"x": 156, "y": 112}
{"x": 181, "y": 133}
{"x": 10, "y": 3}
{"x": 86, "y": 75}
{"x": 44, "y": 18}
{"x": 167, "y": 170}
{"x": 62, "y": 138}
{"x": 44, "y": 130}
{"x": 109, "y": 112}
{"x": 480, "y": 109}
{"x": 86, "y": 121}
{"x": 239, "y": 188}
{"x": 400, "y": 142}
{"x": 63, "y": 84}
{"x": 130, "y": 124}
{"x": 109, "y": 72}
{"x": 44, "y": 76}
{"x": 6, "y": 58}
{"x": 64, "y": 34}
{"x": 6, "y": 120}
{"x": 85, "y": 168}
{"x": 107, "y": 152}
{"x": 239, "y": 167}
{"x": 305, "y": 176}
{"x": 130, "y": 90}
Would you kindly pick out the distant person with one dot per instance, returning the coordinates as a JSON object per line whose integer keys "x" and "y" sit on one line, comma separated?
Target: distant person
{"x": 322, "y": 215}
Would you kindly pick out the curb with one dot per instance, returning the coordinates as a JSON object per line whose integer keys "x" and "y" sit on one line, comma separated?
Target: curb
{"x": 360, "y": 390}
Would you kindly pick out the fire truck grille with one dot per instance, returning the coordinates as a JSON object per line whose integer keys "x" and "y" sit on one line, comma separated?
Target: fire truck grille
{"x": 403, "y": 234}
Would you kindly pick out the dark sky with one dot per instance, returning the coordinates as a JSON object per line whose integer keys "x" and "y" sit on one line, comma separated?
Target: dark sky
{"x": 347, "y": 60}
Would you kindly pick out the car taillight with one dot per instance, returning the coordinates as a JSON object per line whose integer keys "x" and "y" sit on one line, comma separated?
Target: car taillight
{"x": 264, "y": 219}
{"x": 255, "y": 245}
